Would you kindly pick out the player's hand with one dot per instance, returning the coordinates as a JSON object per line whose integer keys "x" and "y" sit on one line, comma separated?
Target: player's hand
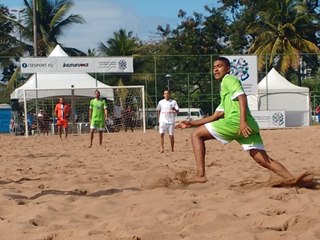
{"x": 245, "y": 130}
{"x": 184, "y": 124}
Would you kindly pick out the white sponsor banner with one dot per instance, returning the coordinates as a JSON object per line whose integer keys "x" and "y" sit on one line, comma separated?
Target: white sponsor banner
{"x": 77, "y": 64}
{"x": 270, "y": 119}
{"x": 245, "y": 68}
{"x": 32, "y": 65}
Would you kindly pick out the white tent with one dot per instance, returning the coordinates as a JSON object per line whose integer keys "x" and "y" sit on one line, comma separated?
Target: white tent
{"x": 277, "y": 93}
{"x": 42, "y": 85}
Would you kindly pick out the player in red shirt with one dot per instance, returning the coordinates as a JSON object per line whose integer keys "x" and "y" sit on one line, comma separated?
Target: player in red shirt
{"x": 62, "y": 111}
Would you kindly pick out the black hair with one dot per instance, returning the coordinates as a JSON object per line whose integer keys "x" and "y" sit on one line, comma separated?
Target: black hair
{"x": 223, "y": 59}
{"x": 97, "y": 91}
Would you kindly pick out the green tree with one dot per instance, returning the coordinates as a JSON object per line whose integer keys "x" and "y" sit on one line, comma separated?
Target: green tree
{"x": 52, "y": 20}
{"x": 281, "y": 31}
{"x": 122, "y": 44}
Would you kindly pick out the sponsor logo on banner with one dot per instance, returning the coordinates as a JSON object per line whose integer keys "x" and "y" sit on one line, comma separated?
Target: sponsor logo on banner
{"x": 278, "y": 119}
{"x": 240, "y": 69}
{"x": 270, "y": 119}
{"x": 245, "y": 68}
{"x": 37, "y": 65}
{"x": 112, "y": 65}
{"x": 122, "y": 64}
{"x": 75, "y": 65}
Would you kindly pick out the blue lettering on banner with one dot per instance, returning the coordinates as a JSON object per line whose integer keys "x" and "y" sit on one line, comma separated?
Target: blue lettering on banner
{"x": 25, "y": 65}
{"x": 70, "y": 65}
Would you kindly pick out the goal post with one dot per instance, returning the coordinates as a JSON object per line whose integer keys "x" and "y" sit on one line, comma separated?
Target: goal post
{"x": 37, "y": 102}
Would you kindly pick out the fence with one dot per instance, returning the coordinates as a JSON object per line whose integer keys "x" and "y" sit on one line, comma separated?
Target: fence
{"x": 36, "y": 111}
{"x": 191, "y": 81}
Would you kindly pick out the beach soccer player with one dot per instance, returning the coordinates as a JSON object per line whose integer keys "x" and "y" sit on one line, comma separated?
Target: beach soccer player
{"x": 98, "y": 114}
{"x": 167, "y": 109}
{"x": 231, "y": 120}
{"x": 62, "y": 111}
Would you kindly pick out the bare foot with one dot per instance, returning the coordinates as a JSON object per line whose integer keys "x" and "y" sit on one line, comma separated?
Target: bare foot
{"x": 161, "y": 151}
{"x": 304, "y": 180}
{"x": 90, "y": 146}
{"x": 195, "y": 179}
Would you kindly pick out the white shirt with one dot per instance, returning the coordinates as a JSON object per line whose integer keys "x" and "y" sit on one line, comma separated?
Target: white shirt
{"x": 167, "y": 115}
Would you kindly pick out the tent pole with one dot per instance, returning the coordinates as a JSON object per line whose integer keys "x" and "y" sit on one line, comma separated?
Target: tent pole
{"x": 267, "y": 82}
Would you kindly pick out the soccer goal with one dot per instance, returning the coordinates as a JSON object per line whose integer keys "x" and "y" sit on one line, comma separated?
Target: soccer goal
{"x": 36, "y": 111}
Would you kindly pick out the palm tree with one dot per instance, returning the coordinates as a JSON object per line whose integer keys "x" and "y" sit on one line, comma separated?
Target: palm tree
{"x": 52, "y": 19}
{"x": 282, "y": 31}
{"x": 122, "y": 44}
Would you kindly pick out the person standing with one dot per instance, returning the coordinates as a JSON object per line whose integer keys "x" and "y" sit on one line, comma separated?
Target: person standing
{"x": 231, "y": 120}
{"x": 62, "y": 111}
{"x": 98, "y": 114}
{"x": 317, "y": 111}
{"x": 128, "y": 118}
{"x": 117, "y": 116}
{"x": 167, "y": 109}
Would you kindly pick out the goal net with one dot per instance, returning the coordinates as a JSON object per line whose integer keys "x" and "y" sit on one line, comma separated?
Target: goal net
{"x": 37, "y": 109}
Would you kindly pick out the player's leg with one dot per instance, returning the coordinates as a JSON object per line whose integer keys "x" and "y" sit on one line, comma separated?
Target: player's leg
{"x": 59, "y": 130}
{"x": 162, "y": 130}
{"x": 170, "y": 130}
{"x": 198, "y": 138}
{"x": 92, "y": 130}
{"x": 66, "y": 131}
{"x": 172, "y": 142}
{"x": 65, "y": 125}
{"x": 101, "y": 128}
{"x": 263, "y": 159}
{"x": 100, "y": 136}
{"x": 161, "y": 142}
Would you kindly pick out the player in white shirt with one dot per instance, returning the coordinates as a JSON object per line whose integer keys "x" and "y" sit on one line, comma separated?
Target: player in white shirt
{"x": 167, "y": 109}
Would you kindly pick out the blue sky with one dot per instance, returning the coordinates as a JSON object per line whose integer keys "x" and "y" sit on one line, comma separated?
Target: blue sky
{"x": 103, "y": 17}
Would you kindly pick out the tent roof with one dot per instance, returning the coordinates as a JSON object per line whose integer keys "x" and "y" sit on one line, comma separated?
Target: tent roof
{"x": 275, "y": 82}
{"x": 54, "y": 83}
{"x": 58, "y": 52}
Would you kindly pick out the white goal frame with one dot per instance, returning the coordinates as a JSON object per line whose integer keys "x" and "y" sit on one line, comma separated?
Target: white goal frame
{"x": 119, "y": 92}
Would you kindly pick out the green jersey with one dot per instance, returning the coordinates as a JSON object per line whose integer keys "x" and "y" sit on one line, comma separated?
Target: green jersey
{"x": 97, "y": 106}
{"x": 228, "y": 127}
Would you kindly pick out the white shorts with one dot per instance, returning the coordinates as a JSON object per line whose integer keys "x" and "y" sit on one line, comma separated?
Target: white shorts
{"x": 166, "y": 128}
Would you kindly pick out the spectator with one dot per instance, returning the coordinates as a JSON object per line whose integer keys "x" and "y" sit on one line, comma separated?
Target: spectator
{"x": 128, "y": 118}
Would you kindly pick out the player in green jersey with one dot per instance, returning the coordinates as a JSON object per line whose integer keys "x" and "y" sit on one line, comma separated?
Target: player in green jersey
{"x": 97, "y": 116}
{"x": 231, "y": 120}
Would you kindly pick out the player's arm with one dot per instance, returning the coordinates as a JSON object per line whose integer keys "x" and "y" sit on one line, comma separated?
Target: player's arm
{"x": 105, "y": 114}
{"x": 90, "y": 114}
{"x": 56, "y": 111}
{"x": 245, "y": 130}
{"x": 187, "y": 124}
{"x": 68, "y": 112}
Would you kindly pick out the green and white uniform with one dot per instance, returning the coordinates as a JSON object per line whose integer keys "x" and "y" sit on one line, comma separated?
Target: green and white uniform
{"x": 227, "y": 129}
{"x": 97, "y": 116}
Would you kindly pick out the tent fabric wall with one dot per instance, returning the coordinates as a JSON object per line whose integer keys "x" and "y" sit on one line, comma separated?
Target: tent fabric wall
{"x": 277, "y": 93}
{"x": 42, "y": 85}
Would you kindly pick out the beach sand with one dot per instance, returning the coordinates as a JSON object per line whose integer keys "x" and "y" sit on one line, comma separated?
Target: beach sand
{"x": 126, "y": 189}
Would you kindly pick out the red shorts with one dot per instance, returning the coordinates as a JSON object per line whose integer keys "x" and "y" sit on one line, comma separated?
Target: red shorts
{"x": 62, "y": 122}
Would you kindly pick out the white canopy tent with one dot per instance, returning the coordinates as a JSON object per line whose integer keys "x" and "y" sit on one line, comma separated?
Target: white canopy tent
{"x": 277, "y": 93}
{"x": 42, "y": 85}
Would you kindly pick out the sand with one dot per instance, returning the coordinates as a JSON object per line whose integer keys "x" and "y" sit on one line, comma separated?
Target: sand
{"x": 126, "y": 189}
